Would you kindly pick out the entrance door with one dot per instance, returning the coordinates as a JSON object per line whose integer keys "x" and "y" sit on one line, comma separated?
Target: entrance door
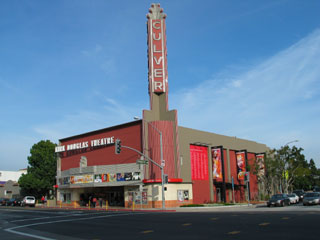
{"x": 218, "y": 194}
{"x": 115, "y": 197}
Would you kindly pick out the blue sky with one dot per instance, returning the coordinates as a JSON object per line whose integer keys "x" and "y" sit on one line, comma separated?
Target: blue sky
{"x": 249, "y": 69}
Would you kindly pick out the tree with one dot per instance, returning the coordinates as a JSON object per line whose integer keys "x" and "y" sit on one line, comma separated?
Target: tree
{"x": 286, "y": 169}
{"x": 291, "y": 165}
{"x": 41, "y": 173}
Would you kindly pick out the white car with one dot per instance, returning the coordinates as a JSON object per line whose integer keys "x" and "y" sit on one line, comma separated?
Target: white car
{"x": 293, "y": 198}
{"x": 28, "y": 201}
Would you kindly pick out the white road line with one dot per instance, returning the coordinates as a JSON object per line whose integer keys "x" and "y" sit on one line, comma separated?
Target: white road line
{"x": 11, "y": 230}
{"x": 37, "y": 211}
{"x": 60, "y": 216}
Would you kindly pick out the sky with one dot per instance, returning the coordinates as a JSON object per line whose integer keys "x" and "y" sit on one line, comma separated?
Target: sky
{"x": 249, "y": 69}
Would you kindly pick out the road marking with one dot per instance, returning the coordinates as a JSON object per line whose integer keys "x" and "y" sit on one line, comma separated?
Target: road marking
{"x": 214, "y": 218}
{"x": 264, "y": 224}
{"x": 234, "y": 232}
{"x": 31, "y": 219}
{"x": 285, "y": 218}
{"x": 186, "y": 224}
{"x": 12, "y": 229}
{"x": 147, "y": 231}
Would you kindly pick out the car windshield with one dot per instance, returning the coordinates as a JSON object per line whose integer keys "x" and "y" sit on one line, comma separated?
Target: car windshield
{"x": 277, "y": 196}
{"x": 312, "y": 195}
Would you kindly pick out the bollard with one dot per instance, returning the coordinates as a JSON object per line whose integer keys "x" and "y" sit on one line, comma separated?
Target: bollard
{"x": 75, "y": 205}
{"x": 89, "y": 204}
{"x": 106, "y": 205}
{"x": 60, "y": 203}
{"x": 48, "y": 204}
{"x": 132, "y": 205}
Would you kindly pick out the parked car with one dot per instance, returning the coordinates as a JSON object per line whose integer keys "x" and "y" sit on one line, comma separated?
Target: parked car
{"x": 300, "y": 193}
{"x": 279, "y": 200}
{"x": 3, "y": 201}
{"x": 28, "y": 201}
{"x": 14, "y": 202}
{"x": 311, "y": 198}
{"x": 316, "y": 189}
{"x": 293, "y": 198}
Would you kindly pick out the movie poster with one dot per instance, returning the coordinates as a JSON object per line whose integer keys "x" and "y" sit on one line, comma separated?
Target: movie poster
{"x": 260, "y": 163}
{"x": 104, "y": 178}
{"x": 120, "y": 177}
{"x": 128, "y": 176}
{"x": 216, "y": 164}
{"x": 97, "y": 178}
{"x": 136, "y": 176}
{"x": 241, "y": 164}
{"x": 112, "y": 177}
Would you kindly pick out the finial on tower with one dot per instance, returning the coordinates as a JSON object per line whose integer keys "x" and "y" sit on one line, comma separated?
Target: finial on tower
{"x": 156, "y": 12}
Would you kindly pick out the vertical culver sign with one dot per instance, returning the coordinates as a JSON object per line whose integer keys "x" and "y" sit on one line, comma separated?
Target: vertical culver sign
{"x": 157, "y": 49}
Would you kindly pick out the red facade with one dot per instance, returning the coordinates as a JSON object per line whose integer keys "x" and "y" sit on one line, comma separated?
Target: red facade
{"x": 130, "y": 135}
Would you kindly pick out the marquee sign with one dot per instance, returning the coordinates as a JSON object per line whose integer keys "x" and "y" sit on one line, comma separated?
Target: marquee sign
{"x": 80, "y": 145}
{"x": 157, "y": 52}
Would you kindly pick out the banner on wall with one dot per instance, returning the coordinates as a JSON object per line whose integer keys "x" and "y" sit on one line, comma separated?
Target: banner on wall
{"x": 199, "y": 162}
{"x": 241, "y": 164}
{"x": 216, "y": 164}
{"x": 260, "y": 163}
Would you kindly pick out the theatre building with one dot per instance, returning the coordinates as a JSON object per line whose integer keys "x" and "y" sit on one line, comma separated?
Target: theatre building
{"x": 198, "y": 167}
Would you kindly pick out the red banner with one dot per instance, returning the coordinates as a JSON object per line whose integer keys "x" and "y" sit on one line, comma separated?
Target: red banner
{"x": 199, "y": 162}
{"x": 216, "y": 164}
{"x": 241, "y": 164}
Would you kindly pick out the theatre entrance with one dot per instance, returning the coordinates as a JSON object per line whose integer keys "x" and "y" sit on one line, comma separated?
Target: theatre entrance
{"x": 114, "y": 196}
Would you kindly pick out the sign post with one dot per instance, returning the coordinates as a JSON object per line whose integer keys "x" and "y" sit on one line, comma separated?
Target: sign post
{"x": 247, "y": 180}
{"x": 233, "y": 190}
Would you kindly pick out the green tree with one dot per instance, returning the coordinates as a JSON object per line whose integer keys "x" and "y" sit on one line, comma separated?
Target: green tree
{"x": 291, "y": 165}
{"x": 41, "y": 173}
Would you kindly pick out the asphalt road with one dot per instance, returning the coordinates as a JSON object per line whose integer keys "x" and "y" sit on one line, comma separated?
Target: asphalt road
{"x": 293, "y": 222}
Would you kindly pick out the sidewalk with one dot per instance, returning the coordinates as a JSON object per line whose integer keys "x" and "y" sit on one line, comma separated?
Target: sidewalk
{"x": 209, "y": 207}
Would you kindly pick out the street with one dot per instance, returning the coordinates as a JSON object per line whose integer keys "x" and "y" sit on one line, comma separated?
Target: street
{"x": 293, "y": 222}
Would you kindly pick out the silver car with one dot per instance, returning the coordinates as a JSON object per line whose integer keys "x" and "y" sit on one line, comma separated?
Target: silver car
{"x": 28, "y": 201}
{"x": 311, "y": 198}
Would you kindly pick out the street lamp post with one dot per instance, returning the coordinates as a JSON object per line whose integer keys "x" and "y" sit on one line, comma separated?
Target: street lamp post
{"x": 161, "y": 158}
{"x": 291, "y": 142}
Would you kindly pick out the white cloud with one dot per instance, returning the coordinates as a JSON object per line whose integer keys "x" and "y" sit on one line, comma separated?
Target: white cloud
{"x": 274, "y": 102}
{"x": 109, "y": 114}
{"x": 93, "y": 51}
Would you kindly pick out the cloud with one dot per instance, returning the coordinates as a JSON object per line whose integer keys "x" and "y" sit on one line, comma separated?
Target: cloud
{"x": 110, "y": 113}
{"x": 274, "y": 102}
{"x": 93, "y": 51}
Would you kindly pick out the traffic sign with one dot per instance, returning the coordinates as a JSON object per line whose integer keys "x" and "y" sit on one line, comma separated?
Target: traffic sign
{"x": 139, "y": 161}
